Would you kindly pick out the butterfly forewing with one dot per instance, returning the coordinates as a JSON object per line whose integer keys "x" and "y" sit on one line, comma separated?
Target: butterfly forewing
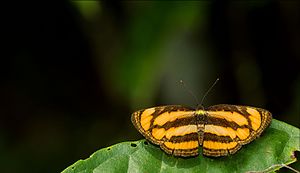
{"x": 228, "y": 127}
{"x": 172, "y": 127}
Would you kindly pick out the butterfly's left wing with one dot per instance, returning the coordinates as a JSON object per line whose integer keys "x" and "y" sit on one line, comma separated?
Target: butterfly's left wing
{"x": 173, "y": 128}
{"x": 228, "y": 127}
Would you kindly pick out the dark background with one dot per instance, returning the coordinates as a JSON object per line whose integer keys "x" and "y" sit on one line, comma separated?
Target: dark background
{"x": 73, "y": 72}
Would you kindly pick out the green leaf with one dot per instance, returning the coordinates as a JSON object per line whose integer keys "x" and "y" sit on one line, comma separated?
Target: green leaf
{"x": 275, "y": 148}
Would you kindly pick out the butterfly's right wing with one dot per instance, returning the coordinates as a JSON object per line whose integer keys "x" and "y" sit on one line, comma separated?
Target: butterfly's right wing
{"x": 173, "y": 127}
{"x": 228, "y": 127}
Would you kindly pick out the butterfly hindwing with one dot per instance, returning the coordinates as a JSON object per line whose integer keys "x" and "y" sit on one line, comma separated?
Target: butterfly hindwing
{"x": 228, "y": 127}
{"x": 172, "y": 127}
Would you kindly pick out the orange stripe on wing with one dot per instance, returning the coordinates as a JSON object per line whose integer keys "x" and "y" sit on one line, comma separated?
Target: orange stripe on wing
{"x": 172, "y": 116}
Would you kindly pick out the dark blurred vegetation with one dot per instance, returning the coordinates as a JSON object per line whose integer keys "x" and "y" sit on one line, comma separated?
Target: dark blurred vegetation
{"x": 74, "y": 71}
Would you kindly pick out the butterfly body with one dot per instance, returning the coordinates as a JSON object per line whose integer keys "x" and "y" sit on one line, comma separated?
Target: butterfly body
{"x": 220, "y": 130}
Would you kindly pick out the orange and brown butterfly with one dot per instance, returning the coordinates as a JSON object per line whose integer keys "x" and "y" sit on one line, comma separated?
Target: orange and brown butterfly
{"x": 220, "y": 130}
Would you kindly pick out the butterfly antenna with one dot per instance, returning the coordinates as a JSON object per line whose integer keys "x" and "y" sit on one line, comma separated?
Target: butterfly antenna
{"x": 190, "y": 91}
{"x": 216, "y": 81}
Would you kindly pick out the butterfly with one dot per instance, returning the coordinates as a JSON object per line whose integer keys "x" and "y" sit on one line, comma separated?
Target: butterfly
{"x": 220, "y": 129}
